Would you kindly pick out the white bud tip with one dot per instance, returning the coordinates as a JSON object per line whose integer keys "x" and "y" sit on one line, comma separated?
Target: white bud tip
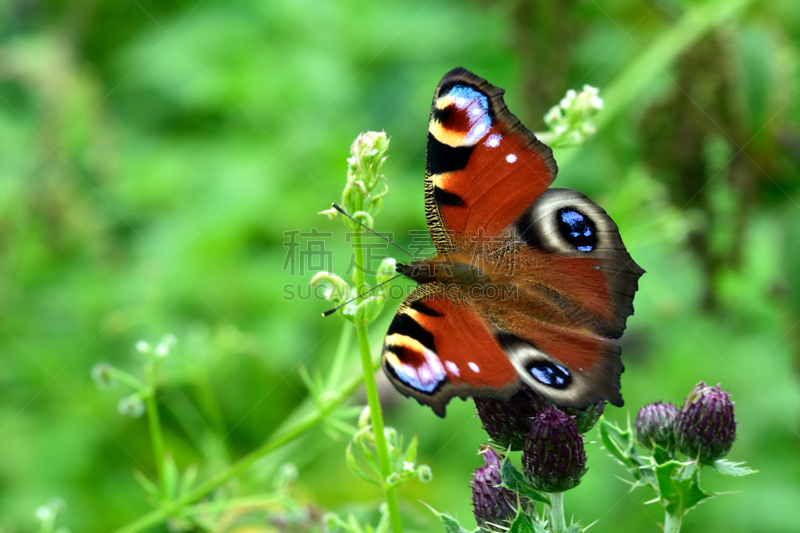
{"x": 143, "y": 346}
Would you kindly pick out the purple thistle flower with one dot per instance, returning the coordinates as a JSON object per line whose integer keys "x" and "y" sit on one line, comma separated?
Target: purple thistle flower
{"x": 705, "y": 426}
{"x": 554, "y": 459}
{"x": 493, "y": 505}
{"x": 507, "y": 422}
{"x": 655, "y": 425}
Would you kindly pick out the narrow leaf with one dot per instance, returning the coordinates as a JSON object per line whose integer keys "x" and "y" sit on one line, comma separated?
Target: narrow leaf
{"x": 352, "y": 464}
{"x": 411, "y": 452}
{"x": 618, "y": 443}
{"x": 450, "y": 524}
{"x": 147, "y": 484}
{"x": 522, "y": 524}
{"x": 170, "y": 475}
{"x": 189, "y": 477}
{"x": 729, "y": 468}
{"x": 514, "y": 479}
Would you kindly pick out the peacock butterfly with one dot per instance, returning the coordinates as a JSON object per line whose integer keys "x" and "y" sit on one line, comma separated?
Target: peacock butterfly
{"x": 529, "y": 284}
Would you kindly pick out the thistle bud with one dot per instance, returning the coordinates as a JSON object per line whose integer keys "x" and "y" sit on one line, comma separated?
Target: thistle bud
{"x": 655, "y": 425}
{"x": 507, "y": 422}
{"x": 495, "y": 507}
{"x": 553, "y": 459}
{"x": 705, "y": 426}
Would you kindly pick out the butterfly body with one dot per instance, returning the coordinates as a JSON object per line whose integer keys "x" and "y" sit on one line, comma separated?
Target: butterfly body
{"x": 530, "y": 283}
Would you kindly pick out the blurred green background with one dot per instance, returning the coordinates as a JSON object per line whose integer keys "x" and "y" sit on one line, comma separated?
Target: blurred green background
{"x": 153, "y": 155}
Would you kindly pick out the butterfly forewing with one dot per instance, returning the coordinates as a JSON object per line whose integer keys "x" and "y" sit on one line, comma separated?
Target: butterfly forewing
{"x": 483, "y": 166}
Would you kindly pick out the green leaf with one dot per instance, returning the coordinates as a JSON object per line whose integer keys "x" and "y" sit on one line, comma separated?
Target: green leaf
{"x": 538, "y": 528}
{"x": 729, "y": 468}
{"x": 522, "y": 524}
{"x": 170, "y": 475}
{"x": 352, "y": 464}
{"x": 685, "y": 471}
{"x": 514, "y": 479}
{"x": 574, "y": 528}
{"x": 661, "y": 455}
{"x": 189, "y": 477}
{"x": 620, "y": 443}
{"x": 148, "y": 485}
{"x": 450, "y": 524}
{"x": 411, "y": 452}
{"x": 677, "y": 492}
{"x": 365, "y": 440}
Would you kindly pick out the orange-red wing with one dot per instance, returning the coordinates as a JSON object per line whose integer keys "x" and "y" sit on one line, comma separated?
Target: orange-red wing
{"x": 569, "y": 366}
{"x": 483, "y": 166}
{"x": 436, "y": 349}
{"x": 569, "y": 254}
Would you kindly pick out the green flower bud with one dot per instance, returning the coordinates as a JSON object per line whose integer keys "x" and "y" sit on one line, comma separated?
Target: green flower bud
{"x": 131, "y": 406}
{"x": 102, "y": 374}
{"x": 424, "y": 473}
{"x": 386, "y": 270}
{"x": 339, "y": 291}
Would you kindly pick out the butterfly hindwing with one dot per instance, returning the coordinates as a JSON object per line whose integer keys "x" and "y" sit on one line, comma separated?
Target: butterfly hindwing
{"x": 437, "y": 348}
{"x": 483, "y": 166}
{"x": 575, "y": 250}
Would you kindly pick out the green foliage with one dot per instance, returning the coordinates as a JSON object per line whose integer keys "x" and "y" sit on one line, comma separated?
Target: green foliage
{"x": 154, "y": 157}
{"x": 515, "y": 480}
{"x": 676, "y": 483}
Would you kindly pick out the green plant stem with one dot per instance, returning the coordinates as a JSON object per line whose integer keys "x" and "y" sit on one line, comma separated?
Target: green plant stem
{"x": 557, "y": 522}
{"x": 155, "y": 424}
{"x": 340, "y": 357}
{"x": 373, "y": 399}
{"x": 672, "y": 523}
{"x": 127, "y": 379}
{"x": 275, "y": 442}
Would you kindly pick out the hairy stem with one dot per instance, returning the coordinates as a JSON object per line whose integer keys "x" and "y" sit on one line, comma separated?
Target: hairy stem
{"x": 373, "y": 399}
{"x": 672, "y": 522}
{"x": 557, "y": 522}
{"x": 155, "y": 424}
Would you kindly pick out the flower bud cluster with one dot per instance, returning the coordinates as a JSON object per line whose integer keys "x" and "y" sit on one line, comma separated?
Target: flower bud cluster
{"x": 704, "y": 428}
{"x": 570, "y": 122}
{"x": 553, "y": 455}
{"x": 107, "y": 376}
{"x": 508, "y": 421}
{"x": 363, "y": 195}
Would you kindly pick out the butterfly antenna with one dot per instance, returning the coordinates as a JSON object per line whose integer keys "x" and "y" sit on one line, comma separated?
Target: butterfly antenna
{"x": 387, "y": 239}
{"x": 331, "y": 311}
